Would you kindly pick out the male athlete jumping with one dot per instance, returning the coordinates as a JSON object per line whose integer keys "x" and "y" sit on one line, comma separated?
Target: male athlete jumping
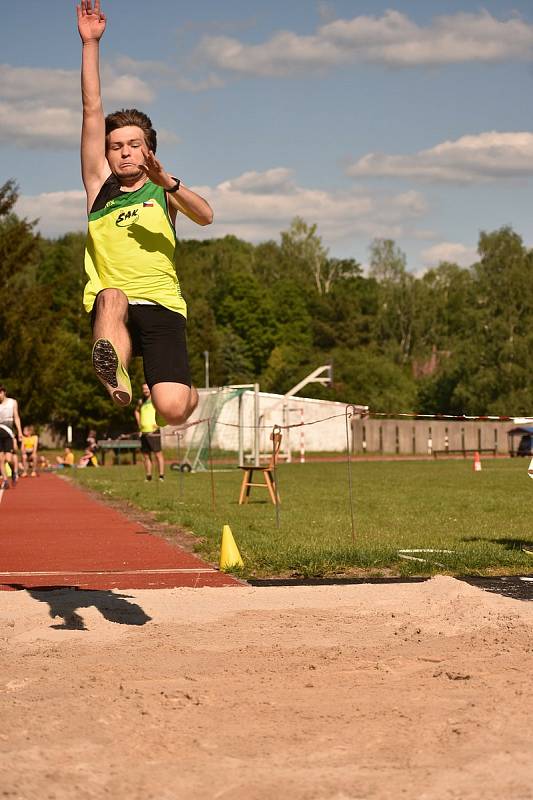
{"x": 132, "y": 290}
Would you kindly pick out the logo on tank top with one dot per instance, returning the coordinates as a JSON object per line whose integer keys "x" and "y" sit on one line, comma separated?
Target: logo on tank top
{"x": 127, "y": 218}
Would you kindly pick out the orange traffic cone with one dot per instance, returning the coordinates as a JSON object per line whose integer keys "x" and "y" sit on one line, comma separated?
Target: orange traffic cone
{"x": 477, "y": 462}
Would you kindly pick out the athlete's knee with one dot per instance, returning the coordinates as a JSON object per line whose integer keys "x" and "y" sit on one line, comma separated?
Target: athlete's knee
{"x": 111, "y": 300}
{"x": 175, "y": 412}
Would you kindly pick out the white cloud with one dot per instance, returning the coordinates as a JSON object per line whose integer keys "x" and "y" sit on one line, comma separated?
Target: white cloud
{"x": 449, "y": 251}
{"x": 58, "y": 212}
{"x": 257, "y": 206}
{"x": 469, "y": 159}
{"x": 39, "y": 127}
{"x": 168, "y": 75}
{"x": 392, "y": 39}
{"x": 42, "y": 87}
{"x": 272, "y": 181}
{"x": 42, "y": 107}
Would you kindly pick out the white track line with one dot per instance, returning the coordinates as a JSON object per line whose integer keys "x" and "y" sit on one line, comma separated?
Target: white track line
{"x": 108, "y": 572}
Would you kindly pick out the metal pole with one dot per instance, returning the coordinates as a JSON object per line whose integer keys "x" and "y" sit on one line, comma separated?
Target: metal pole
{"x": 276, "y": 431}
{"x": 256, "y": 425}
{"x": 286, "y": 423}
{"x": 349, "y": 413}
{"x": 206, "y": 364}
{"x": 302, "y": 436}
{"x": 211, "y": 465}
{"x": 241, "y": 430}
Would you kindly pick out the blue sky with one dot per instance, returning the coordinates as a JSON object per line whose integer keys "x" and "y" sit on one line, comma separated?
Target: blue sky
{"x": 407, "y": 120}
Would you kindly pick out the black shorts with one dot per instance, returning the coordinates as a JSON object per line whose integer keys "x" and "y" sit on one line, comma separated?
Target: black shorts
{"x": 150, "y": 442}
{"x": 158, "y": 335}
{"x": 6, "y": 442}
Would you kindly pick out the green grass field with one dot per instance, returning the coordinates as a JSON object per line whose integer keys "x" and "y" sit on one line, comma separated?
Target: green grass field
{"x": 484, "y": 518}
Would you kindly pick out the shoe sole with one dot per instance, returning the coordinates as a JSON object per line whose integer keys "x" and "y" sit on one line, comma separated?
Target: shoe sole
{"x": 106, "y": 365}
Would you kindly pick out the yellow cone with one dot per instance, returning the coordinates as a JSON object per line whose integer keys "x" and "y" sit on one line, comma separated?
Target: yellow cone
{"x": 229, "y": 552}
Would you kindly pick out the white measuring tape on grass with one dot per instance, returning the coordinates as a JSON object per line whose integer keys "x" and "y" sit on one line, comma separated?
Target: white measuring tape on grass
{"x": 405, "y": 554}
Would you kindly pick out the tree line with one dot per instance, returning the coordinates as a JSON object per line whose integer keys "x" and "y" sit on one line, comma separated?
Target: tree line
{"x": 454, "y": 340}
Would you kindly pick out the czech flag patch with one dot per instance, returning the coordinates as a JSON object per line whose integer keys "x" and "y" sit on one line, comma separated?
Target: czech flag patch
{"x": 148, "y": 204}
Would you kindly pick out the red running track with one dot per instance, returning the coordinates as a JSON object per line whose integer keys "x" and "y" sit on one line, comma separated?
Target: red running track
{"x": 53, "y": 534}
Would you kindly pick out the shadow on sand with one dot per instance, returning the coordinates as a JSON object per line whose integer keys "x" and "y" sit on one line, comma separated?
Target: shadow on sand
{"x": 66, "y": 602}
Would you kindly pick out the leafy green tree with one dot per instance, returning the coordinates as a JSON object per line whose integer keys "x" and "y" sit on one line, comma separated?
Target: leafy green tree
{"x": 500, "y": 378}
{"x": 304, "y": 253}
{"x": 24, "y": 319}
{"x": 244, "y": 306}
{"x": 369, "y": 378}
{"x": 396, "y": 311}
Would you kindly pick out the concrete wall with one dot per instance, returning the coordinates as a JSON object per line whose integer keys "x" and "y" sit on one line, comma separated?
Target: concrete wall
{"x": 421, "y": 437}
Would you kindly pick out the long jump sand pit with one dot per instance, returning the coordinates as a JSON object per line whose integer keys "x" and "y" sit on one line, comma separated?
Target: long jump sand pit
{"x": 337, "y": 692}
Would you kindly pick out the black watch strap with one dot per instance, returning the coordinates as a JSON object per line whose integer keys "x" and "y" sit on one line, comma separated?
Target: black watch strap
{"x": 175, "y": 187}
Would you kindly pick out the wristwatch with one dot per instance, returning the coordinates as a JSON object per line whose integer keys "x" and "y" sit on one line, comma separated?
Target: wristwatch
{"x": 176, "y": 185}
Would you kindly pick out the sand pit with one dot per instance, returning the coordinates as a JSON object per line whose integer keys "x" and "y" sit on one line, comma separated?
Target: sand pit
{"x": 336, "y": 692}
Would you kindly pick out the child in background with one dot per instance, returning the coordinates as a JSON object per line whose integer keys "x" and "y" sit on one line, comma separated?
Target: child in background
{"x": 30, "y": 444}
{"x": 66, "y": 460}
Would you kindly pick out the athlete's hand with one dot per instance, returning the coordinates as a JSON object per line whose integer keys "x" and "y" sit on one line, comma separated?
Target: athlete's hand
{"x": 153, "y": 169}
{"x": 91, "y": 21}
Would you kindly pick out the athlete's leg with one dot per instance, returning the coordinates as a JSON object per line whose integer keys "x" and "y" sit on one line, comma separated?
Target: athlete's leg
{"x": 10, "y": 459}
{"x": 15, "y": 467}
{"x": 110, "y": 322}
{"x": 147, "y": 465}
{"x": 112, "y": 344}
{"x": 160, "y": 463}
{"x": 3, "y": 472}
{"x": 175, "y": 402}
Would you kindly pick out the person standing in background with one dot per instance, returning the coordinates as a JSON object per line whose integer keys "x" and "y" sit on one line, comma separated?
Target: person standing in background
{"x": 150, "y": 434}
{"x": 30, "y": 445}
{"x": 9, "y": 429}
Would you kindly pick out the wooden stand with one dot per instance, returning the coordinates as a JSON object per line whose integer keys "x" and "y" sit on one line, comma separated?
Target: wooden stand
{"x": 268, "y": 475}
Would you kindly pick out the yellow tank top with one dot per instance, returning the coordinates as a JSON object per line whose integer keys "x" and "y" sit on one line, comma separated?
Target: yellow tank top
{"x": 131, "y": 246}
{"x": 29, "y": 442}
{"x": 147, "y": 414}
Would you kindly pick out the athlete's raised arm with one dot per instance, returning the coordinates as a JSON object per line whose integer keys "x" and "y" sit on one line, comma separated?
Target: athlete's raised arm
{"x": 94, "y": 167}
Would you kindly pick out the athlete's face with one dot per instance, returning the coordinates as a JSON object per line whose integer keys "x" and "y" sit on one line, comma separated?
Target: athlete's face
{"x": 124, "y": 151}
{"x": 146, "y": 390}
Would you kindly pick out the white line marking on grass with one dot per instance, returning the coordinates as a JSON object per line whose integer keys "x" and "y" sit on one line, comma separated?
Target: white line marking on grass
{"x": 425, "y": 550}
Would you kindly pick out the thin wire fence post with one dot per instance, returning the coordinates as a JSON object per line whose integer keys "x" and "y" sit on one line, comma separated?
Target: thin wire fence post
{"x": 210, "y": 457}
{"x": 349, "y": 413}
{"x": 179, "y": 436}
{"x": 276, "y": 432}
